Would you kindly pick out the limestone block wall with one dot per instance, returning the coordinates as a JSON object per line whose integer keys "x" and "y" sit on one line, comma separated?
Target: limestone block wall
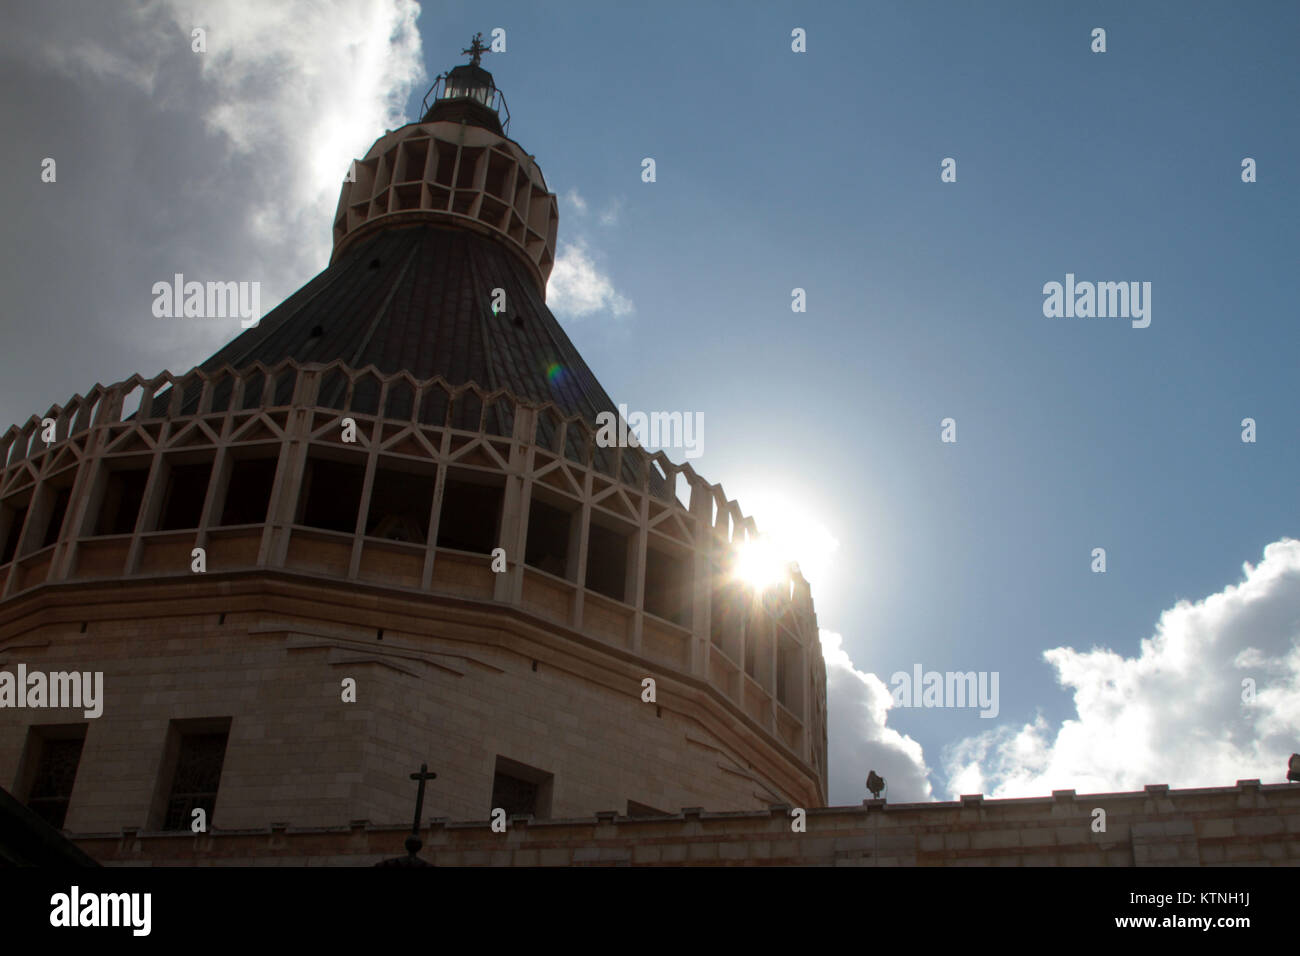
{"x": 452, "y": 684}
{"x": 1246, "y": 825}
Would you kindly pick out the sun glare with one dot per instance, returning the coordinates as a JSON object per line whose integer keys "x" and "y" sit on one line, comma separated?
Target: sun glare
{"x": 759, "y": 563}
{"x": 790, "y": 533}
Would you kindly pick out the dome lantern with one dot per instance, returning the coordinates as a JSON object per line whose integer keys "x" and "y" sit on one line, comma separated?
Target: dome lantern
{"x": 468, "y": 93}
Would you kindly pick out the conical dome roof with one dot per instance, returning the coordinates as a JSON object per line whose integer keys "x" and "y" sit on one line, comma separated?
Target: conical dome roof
{"x": 418, "y": 298}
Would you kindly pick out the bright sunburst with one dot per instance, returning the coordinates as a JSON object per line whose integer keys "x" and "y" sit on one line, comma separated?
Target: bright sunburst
{"x": 791, "y": 533}
{"x": 759, "y": 563}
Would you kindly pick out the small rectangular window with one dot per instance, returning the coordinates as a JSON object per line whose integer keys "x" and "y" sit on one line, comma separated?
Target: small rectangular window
{"x": 520, "y": 789}
{"x": 53, "y": 755}
{"x": 196, "y": 752}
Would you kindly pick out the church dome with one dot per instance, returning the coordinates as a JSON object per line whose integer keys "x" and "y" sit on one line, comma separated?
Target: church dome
{"x": 396, "y": 479}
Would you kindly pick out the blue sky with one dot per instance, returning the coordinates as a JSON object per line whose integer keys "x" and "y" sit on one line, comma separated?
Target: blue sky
{"x": 821, "y": 170}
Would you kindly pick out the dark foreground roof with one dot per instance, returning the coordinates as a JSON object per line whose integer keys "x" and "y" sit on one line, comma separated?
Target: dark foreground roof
{"x": 27, "y": 840}
{"x": 419, "y": 299}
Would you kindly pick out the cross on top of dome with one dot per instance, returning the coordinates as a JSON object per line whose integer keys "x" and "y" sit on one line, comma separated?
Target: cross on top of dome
{"x": 476, "y": 49}
{"x": 467, "y": 93}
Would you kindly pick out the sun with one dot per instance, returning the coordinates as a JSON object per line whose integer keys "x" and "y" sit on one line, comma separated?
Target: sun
{"x": 792, "y": 533}
{"x": 760, "y": 563}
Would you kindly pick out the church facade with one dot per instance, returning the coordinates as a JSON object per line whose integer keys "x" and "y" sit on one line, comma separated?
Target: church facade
{"x": 381, "y": 529}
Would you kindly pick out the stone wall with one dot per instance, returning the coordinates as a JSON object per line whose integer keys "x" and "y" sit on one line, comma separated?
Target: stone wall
{"x": 1245, "y": 825}
{"x": 451, "y": 683}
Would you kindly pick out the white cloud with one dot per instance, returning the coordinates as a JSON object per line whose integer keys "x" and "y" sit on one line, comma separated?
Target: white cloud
{"x": 609, "y": 215}
{"x": 574, "y": 199}
{"x": 305, "y": 87}
{"x": 298, "y": 87}
{"x": 577, "y": 287}
{"x": 88, "y": 59}
{"x": 858, "y": 706}
{"x": 262, "y": 128}
{"x": 1174, "y": 713}
{"x": 224, "y": 165}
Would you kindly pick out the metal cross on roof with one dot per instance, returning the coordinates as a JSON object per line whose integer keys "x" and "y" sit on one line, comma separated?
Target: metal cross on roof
{"x": 422, "y": 776}
{"x": 476, "y": 49}
{"x": 413, "y": 842}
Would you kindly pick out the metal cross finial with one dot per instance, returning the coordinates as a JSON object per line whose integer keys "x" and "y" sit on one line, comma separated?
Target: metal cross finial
{"x": 422, "y": 776}
{"x": 476, "y": 49}
{"x": 413, "y": 842}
